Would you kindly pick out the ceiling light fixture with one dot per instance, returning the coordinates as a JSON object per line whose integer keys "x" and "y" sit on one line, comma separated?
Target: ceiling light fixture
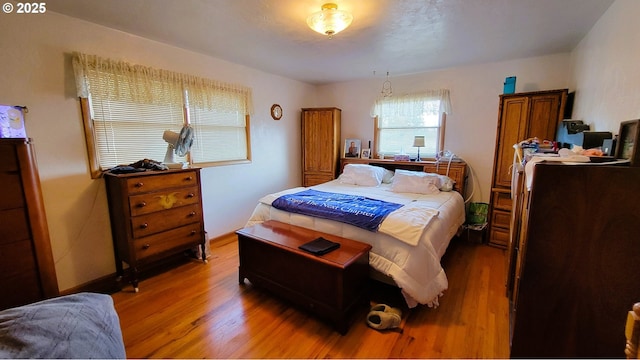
{"x": 330, "y": 20}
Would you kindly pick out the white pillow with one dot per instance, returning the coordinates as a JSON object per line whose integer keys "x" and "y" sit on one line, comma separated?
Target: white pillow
{"x": 415, "y": 182}
{"x": 388, "y": 176}
{"x": 446, "y": 183}
{"x": 361, "y": 174}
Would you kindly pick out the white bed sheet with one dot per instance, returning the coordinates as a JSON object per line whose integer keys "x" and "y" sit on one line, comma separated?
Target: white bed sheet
{"x": 415, "y": 269}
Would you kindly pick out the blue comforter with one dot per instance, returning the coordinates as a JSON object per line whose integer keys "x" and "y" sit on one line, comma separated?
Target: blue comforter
{"x": 356, "y": 210}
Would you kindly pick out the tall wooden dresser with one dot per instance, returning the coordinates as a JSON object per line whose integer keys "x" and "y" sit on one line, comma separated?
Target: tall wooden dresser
{"x": 320, "y": 144}
{"x": 27, "y": 269}
{"x": 577, "y": 270}
{"x": 154, "y": 214}
{"x": 521, "y": 116}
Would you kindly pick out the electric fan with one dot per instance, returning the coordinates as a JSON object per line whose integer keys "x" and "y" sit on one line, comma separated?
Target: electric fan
{"x": 178, "y": 143}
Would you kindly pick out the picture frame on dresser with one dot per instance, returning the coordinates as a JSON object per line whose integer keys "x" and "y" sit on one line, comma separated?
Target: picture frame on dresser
{"x": 352, "y": 148}
{"x": 628, "y": 137}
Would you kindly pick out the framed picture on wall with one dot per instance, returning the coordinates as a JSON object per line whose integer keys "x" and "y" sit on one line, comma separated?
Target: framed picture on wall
{"x": 352, "y": 148}
{"x": 628, "y": 147}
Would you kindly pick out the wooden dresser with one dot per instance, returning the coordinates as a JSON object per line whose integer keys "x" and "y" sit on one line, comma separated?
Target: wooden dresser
{"x": 320, "y": 145}
{"x": 27, "y": 271}
{"x": 521, "y": 116}
{"x": 577, "y": 262}
{"x": 154, "y": 214}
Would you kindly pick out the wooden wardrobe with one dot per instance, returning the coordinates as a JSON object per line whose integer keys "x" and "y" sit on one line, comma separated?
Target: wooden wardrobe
{"x": 520, "y": 116}
{"x": 27, "y": 271}
{"x": 320, "y": 144}
{"x": 577, "y": 270}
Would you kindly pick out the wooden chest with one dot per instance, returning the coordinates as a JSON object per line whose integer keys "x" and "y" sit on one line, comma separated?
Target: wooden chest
{"x": 330, "y": 285}
{"x": 154, "y": 214}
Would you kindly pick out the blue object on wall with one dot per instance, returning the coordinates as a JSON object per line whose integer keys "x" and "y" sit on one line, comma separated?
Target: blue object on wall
{"x": 510, "y": 85}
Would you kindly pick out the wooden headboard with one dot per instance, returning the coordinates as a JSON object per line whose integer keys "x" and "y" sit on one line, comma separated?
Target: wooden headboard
{"x": 457, "y": 169}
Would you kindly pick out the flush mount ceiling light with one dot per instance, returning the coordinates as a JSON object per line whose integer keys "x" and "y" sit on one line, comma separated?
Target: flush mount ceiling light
{"x": 330, "y": 20}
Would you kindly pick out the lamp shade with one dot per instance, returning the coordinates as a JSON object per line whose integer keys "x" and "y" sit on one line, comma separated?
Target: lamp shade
{"x": 329, "y": 21}
{"x": 418, "y": 141}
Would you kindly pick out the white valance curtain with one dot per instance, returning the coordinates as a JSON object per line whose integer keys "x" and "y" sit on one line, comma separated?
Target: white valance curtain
{"x": 120, "y": 80}
{"x": 410, "y": 104}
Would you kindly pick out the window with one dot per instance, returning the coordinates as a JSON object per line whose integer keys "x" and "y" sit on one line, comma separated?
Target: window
{"x": 126, "y": 109}
{"x": 399, "y": 119}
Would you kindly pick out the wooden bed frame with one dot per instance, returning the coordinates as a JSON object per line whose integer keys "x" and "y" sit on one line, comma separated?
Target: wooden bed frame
{"x": 456, "y": 169}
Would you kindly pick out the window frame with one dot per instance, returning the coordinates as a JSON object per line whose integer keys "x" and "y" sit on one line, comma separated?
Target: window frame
{"x": 439, "y": 146}
{"x": 405, "y": 104}
{"x": 125, "y": 85}
{"x": 96, "y": 170}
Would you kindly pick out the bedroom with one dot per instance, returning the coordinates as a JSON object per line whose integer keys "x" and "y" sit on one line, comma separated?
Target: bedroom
{"x": 601, "y": 69}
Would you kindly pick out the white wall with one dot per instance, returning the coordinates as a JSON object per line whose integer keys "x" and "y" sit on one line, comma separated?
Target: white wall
{"x": 475, "y": 90}
{"x": 36, "y": 72}
{"x": 607, "y": 71}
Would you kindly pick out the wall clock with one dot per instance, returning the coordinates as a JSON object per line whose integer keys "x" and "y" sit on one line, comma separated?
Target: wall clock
{"x": 276, "y": 112}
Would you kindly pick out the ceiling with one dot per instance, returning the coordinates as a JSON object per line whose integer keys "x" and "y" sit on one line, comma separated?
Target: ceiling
{"x": 396, "y": 36}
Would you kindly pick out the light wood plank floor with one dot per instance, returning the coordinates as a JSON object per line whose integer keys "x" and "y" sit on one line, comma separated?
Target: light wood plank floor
{"x": 200, "y": 311}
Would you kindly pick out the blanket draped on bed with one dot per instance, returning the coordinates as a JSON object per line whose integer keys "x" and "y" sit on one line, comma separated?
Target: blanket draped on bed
{"x": 76, "y": 326}
{"x": 360, "y": 211}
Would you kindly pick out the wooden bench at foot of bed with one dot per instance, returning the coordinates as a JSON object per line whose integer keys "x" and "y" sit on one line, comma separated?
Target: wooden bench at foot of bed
{"x": 329, "y": 285}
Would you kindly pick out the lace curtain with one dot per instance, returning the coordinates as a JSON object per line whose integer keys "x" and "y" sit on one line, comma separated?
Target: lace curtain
{"x": 410, "y": 104}
{"x": 120, "y": 80}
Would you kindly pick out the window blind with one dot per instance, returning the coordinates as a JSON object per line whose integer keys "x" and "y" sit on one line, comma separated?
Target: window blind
{"x": 132, "y": 105}
{"x": 400, "y": 119}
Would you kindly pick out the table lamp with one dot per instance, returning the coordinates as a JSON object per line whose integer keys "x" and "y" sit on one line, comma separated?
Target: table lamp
{"x": 418, "y": 142}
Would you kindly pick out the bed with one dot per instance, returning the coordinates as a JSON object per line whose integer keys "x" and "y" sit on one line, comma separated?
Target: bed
{"x": 78, "y": 326}
{"x": 402, "y": 251}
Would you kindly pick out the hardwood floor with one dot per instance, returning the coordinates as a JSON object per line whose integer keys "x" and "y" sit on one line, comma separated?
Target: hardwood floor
{"x": 200, "y": 311}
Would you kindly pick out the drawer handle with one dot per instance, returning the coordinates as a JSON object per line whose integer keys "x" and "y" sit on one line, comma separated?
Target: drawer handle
{"x": 140, "y": 184}
{"x": 142, "y": 204}
{"x": 189, "y": 178}
{"x": 190, "y": 195}
{"x": 145, "y": 246}
{"x": 193, "y": 213}
{"x": 193, "y": 232}
{"x": 144, "y": 226}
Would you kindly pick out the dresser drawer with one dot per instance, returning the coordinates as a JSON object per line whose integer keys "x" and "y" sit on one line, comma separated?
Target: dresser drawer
{"x": 9, "y": 158}
{"x": 22, "y": 289}
{"x": 163, "y": 200}
{"x": 12, "y": 196}
{"x": 502, "y": 200}
{"x": 14, "y": 225}
{"x": 19, "y": 263}
{"x": 174, "y": 239}
{"x": 499, "y": 237}
{"x": 315, "y": 179}
{"x": 501, "y": 219}
{"x": 164, "y": 220}
{"x": 160, "y": 182}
